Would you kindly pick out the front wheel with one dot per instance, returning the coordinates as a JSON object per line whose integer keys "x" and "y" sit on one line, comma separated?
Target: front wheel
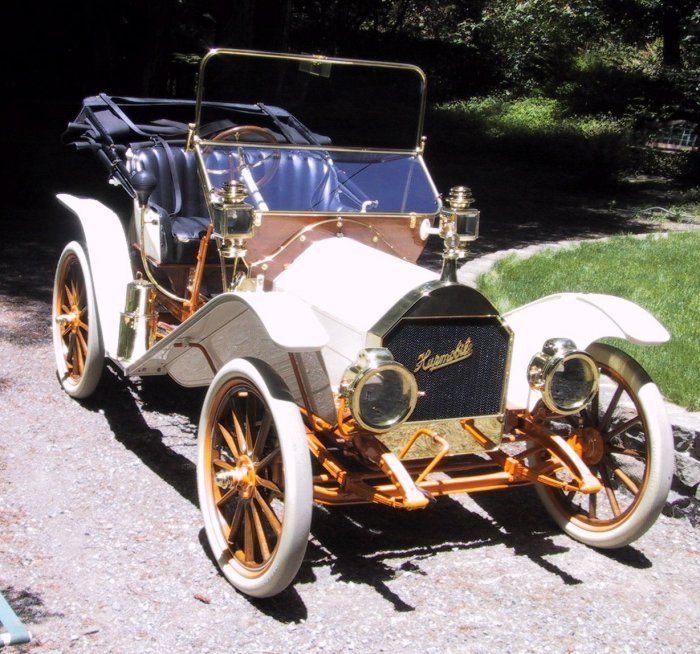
{"x": 77, "y": 341}
{"x": 254, "y": 478}
{"x": 625, "y": 439}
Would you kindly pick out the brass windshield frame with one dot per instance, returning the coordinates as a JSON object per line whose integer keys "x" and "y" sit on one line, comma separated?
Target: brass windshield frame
{"x": 317, "y": 59}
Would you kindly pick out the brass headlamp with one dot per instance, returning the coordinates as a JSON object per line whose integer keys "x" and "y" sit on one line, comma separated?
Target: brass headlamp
{"x": 380, "y": 392}
{"x": 234, "y": 219}
{"x": 566, "y": 377}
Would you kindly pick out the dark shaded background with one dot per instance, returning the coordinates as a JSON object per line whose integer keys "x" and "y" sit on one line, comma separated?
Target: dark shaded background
{"x": 55, "y": 54}
{"x": 58, "y": 53}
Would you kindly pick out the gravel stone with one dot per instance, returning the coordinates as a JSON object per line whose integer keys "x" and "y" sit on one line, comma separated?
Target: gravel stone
{"x": 687, "y": 471}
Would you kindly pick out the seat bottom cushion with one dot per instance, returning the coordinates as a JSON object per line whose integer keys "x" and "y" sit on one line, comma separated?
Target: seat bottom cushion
{"x": 188, "y": 228}
{"x": 187, "y": 232}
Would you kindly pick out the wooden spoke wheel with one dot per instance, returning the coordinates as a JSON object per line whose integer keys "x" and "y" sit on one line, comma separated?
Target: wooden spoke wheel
{"x": 254, "y": 479}
{"x": 625, "y": 439}
{"x": 76, "y": 333}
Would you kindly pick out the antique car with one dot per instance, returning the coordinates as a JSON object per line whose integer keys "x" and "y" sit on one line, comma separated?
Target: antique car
{"x": 271, "y": 257}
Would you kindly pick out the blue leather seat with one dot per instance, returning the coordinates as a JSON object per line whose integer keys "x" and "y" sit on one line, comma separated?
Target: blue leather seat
{"x": 304, "y": 181}
{"x": 178, "y": 198}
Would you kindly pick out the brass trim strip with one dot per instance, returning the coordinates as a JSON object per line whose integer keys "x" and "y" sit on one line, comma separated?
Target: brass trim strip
{"x": 309, "y": 228}
{"x": 302, "y": 146}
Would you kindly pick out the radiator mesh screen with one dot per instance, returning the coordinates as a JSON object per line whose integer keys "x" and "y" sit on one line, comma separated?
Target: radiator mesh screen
{"x": 470, "y": 387}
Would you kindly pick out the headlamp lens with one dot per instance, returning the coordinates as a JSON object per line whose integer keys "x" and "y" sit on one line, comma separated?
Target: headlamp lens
{"x": 385, "y": 399}
{"x": 573, "y": 383}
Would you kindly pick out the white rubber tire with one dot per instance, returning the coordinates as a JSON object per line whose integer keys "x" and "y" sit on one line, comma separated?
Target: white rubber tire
{"x": 95, "y": 357}
{"x": 661, "y": 461}
{"x": 298, "y": 491}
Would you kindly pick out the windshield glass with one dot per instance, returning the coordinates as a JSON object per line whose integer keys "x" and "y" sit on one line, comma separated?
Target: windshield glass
{"x": 319, "y": 181}
{"x": 311, "y": 101}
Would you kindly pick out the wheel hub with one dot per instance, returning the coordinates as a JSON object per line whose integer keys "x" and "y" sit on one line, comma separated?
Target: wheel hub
{"x": 242, "y": 478}
{"x": 592, "y": 445}
{"x": 71, "y": 319}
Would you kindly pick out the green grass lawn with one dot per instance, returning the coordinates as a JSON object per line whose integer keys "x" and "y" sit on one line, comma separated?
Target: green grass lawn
{"x": 660, "y": 274}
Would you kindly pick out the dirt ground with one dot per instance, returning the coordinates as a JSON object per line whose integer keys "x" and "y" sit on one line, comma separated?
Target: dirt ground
{"x": 102, "y": 547}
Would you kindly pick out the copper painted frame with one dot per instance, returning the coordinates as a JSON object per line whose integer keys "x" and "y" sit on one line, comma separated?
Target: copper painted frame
{"x": 341, "y": 485}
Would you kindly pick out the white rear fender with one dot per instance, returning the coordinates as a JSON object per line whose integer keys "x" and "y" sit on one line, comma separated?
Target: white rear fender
{"x": 582, "y": 317}
{"x": 108, "y": 256}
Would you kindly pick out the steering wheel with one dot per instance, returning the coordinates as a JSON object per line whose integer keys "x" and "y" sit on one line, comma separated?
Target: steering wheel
{"x": 235, "y": 133}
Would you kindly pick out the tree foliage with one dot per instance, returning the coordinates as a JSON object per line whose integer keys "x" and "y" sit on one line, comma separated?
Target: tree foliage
{"x": 467, "y": 46}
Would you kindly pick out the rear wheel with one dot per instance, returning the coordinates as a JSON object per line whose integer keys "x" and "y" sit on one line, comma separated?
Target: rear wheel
{"x": 76, "y": 334}
{"x": 254, "y": 479}
{"x": 625, "y": 439}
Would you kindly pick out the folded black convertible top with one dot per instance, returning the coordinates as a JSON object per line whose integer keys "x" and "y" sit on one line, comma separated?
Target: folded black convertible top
{"x": 109, "y": 125}
{"x": 119, "y": 120}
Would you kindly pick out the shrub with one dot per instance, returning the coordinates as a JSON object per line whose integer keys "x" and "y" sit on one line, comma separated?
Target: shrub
{"x": 539, "y": 128}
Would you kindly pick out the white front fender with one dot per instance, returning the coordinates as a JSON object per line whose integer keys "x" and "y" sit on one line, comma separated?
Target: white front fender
{"x": 265, "y": 325}
{"x": 108, "y": 255}
{"x": 582, "y": 317}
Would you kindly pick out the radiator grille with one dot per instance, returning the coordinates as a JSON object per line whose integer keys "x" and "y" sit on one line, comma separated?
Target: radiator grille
{"x": 472, "y": 386}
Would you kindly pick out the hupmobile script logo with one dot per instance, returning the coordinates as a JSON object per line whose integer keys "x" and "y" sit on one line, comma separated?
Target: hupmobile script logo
{"x": 430, "y": 362}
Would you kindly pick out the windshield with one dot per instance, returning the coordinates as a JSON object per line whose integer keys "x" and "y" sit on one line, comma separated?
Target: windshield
{"x": 319, "y": 181}
{"x": 312, "y": 101}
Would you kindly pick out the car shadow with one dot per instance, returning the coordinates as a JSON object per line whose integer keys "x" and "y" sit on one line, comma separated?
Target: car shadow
{"x": 28, "y": 605}
{"x": 116, "y": 399}
{"x": 367, "y": 545}
{"x": 374, "y": 545}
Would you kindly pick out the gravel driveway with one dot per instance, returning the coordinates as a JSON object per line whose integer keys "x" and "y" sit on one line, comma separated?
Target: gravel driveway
{"x": 102, "y": 547}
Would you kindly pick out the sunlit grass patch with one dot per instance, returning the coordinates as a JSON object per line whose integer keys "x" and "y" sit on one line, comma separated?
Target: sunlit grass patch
{"x": 660, "y": 274}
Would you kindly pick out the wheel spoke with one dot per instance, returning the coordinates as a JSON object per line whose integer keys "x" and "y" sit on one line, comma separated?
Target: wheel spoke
{"x": 268, "y": 513}
{"x": 262, "y": 538}
{"x": 266, "y": 483}
{"x": 229, "y": 440}
{"x": 239, "y": 432}
{"x": 247, "y": 424}
{"x": 231, "y": 492}
{"x": 248, "y": 537}
{"x": 235, "y": 523}
{"x": 607, "y": 483}
{"x": 262, "y": 436}
{"x": 622, "y": 428}
{"x": 268, "y": 459}
{"x": 620, "y": 474}
{"x": 605, "y": 422}
{"x": 72, "y": 353}
{"x": 222, "y": 464}
{"x": 82, "y": 342}
{"x": 592, "y": 505}
{"x": 626, "y": 451}
{"x": 79, "y": 355}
